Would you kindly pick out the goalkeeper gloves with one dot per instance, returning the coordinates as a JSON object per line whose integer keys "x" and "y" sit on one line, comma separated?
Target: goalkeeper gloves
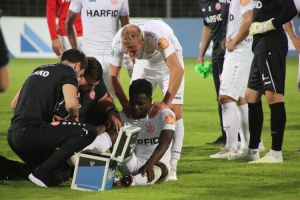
{"x": 261, "y": 27}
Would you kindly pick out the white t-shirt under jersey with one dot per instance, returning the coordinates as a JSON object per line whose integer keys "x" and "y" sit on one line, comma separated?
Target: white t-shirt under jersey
{"x": 237, "y": 8}
{"x": 160, "y": 42}
{"x": 151, "y": 128}
{"x": 100, "y": 23}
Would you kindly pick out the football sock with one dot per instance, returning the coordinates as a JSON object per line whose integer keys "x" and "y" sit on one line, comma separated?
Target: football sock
{"x": 245, "y": 136}
{"x": 231, "y": 124}
{"x": 173, "y": 163}
{"x": 102, "y": 143}
{"x": 256, "y": 118}
{"x": 278, "y": 120}
{"x": 177, "y": 139}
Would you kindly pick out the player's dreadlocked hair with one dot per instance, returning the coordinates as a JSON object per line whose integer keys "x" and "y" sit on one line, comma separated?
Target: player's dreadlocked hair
{"x": 141, "y": 86}
{"x": 94, "y": 69}
{"x": 75, "y": 56}
{"x": 130, "y": 33}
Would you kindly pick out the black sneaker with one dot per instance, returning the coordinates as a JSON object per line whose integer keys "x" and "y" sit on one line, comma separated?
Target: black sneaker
{"x": 220, "y": 140}
{"x": 4, "y": 167}
{"x": 45, "y": 178}
{"x": 124, "y": 181}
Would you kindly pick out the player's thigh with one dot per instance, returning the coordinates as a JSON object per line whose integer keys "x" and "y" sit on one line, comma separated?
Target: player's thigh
{"x": 131, "y": 165}
{"x": 142, "y": 70}
{"x": 255, "y": 81}
{"x": 234, "y": 78}
{"x": 273, "y": 73}
{"x": 104, "y": 61}
{"x": 48, "y": 136}
{"x": 163, "y": 79}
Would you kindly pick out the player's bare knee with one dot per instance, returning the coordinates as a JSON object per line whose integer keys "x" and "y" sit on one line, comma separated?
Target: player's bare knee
{"x": 272, "y": 97}
{"x": 164, "y": 170}
{"x": 225, "y": 99}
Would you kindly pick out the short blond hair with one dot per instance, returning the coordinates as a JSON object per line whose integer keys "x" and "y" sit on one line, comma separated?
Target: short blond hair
{"x": 131, "y": 33}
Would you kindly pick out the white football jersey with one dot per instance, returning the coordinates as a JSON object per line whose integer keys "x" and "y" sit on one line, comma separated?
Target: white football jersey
{"x": 297, "y": 4}
{"x": 100, "y": 23}
{"x": 160, "y": 42}
{"x": 235, "y": 18}
{"x": 151, "y": 128}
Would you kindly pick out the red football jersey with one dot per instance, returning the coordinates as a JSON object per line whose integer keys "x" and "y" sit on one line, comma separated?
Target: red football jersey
{"x": 63, "y": 8}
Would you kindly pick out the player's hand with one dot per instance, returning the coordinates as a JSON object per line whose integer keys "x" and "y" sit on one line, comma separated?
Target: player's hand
{"x": 156, "y": 107}
{"x": 296, "y": 43}
{"x": 114, "y": 121}
{"x": 100, "y": 129}
{"x": 57, "y": 118}
{"x": 230, "y": 44}
{"x": 56, "y": 47}
{"x": 148, "y": 171}
{"x": 72, "y": 118}
{"x": 261, "y": 27}
{"x": 200, "y": 60}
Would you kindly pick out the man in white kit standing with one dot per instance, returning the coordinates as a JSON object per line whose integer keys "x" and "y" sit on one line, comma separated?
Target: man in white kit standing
{"x": 100, "y": 22}
{"x": 234, "y": 78}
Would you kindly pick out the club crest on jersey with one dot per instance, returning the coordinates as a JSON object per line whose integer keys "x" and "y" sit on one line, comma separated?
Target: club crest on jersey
{"x": 150, "y": 128}
{"x": 169, "y": 119}
{"x": 163, "y": 43}
{"x": 92, "y": 94}
{"x": 55, "y": 123}
{"x": 114, "y": 2}
{"x": 244, "y": 2}
{"x": 218, "y": 6}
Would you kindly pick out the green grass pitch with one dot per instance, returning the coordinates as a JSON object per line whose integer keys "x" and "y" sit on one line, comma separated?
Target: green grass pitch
{"x": 199, "y": 177}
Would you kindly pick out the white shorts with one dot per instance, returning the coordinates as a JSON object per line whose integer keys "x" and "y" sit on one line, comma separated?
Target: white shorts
{"x": 104, "y": 61}
{"x": 157, "y": 74}
{"x": 133, "y": 164}
{"x": 66, "y": 44}
{"x": 234, "y": 78}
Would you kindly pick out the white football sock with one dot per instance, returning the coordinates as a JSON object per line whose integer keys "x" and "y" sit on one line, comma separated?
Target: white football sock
{"x": 177, "y": 139}
{"x": 245, "y": 126}
{"x": 102, "y": 143}
{"x": 231, "y": 124}
{"x": 173, "y": 163}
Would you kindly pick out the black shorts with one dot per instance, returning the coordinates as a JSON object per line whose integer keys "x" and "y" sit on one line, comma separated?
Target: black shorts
{"x": 268, "y": 71}
{"x": 35, "y": 143}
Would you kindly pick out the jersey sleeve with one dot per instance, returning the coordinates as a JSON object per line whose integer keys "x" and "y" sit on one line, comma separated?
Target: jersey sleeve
{"x": 161, "y": 40}
{"x": 51, "y": 18}
{"x": 123, "y": 117}
{"x": 101, "y": 89}
{"x": 246, "y": 5}
{"x": 167, "y": 120}
{"x": 70, "y": 76}
{"x": 116, "y": 52}
{"x": 205, "y": 22}
{"x": 124, "y": 11}
{"x": 75, "y": 6}
{"x": 287, "y": 13}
